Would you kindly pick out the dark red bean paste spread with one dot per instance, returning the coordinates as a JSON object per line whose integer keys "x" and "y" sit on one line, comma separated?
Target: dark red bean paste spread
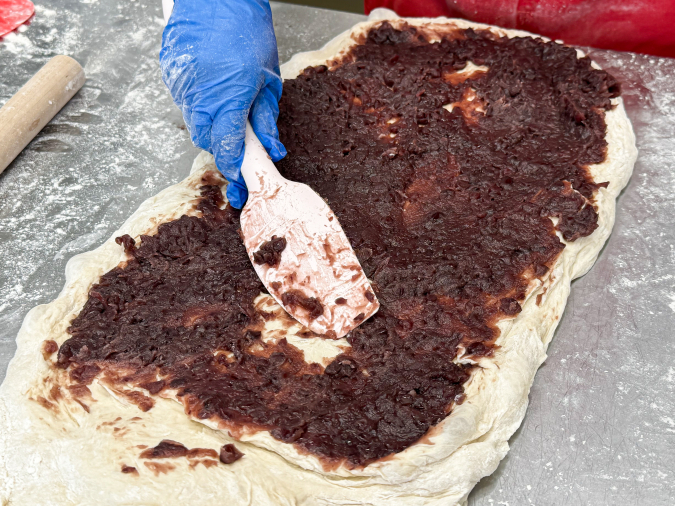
{"x": 168, "y": 449}
{"x": 230, "y": 454}
{"x": 270, "y": 252}
{"x": 295, "y": 298}
{"x": 449, "y": 213}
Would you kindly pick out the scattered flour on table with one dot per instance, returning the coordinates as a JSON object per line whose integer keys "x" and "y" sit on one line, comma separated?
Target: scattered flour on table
{"x": 116, "y": 143}
{"x": 49, "y": 33}
{"x": 17, "y": 43}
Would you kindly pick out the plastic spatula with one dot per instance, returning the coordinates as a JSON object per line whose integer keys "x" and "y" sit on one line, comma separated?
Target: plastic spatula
{"x": 14, "y": 13}
{"x": 317, "y": 278}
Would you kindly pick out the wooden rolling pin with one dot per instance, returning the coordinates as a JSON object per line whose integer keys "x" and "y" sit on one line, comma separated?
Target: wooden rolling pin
{"x": 27, "y": 112}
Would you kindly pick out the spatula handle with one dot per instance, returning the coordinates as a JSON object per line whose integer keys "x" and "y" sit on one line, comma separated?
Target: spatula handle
{"x": 27, "y": 112}
{"x": 258, "y": 168}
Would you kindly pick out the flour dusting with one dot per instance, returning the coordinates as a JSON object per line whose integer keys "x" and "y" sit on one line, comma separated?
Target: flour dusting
{"x": 116, "y": 143}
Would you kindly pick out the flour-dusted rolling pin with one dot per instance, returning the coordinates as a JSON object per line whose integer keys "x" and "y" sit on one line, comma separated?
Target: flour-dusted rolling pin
{"x": 27, "y": 112}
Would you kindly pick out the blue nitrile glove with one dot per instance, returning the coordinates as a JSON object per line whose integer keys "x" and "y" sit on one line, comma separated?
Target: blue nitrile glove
{"x": 219, "y": 60}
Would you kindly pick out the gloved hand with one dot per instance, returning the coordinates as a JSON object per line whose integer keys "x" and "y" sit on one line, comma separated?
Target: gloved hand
{"x": 219, "y": 60}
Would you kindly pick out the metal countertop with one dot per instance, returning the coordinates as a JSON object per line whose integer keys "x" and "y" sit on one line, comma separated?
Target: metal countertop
{"x": 600, "y": 429}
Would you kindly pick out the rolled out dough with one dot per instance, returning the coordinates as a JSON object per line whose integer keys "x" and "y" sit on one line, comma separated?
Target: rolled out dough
{"x": 62, "y": 454}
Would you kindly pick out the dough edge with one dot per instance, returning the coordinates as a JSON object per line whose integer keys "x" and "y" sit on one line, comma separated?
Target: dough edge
{"x": 37, "y": 462}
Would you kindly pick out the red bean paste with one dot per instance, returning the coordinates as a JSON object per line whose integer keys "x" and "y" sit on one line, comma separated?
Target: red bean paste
{"x": 295, "y": 298}
{"x": 449, "y": 213}
{"x": 230, "y": 454}
{"x": 270, "y": 252}
{"x": 168, "y": 449}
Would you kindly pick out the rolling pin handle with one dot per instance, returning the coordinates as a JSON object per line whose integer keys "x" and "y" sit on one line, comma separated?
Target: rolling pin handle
{"x": 36, "y": 103}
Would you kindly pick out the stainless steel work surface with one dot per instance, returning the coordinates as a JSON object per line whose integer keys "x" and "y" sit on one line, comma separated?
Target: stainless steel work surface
{"x": 600, "y": 429}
